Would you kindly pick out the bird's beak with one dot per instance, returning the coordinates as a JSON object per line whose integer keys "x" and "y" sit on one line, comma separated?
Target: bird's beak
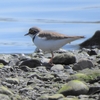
{"x": 26, "y": 34}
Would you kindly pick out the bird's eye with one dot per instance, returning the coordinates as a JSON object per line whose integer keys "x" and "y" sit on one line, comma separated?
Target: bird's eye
{"x": 35, "y": 31}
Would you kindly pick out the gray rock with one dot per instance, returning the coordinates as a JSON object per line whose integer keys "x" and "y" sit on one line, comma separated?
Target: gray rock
{"x": 13, "y": 62}
{"x": 83, "y": 97}
{"x": 57, "y": 67}
{"x": 25, "y": 68}
{"x": 6, "y": 84}
{"x": 12, "y": 80}
{"x": 32, "y": 75}
{"x": 65, "y": 58}
{"x": 82, "y": 64}
{"x": 46, "y": 77}
{"x": 69, "y": 69}
{"x": 56, "y": 97}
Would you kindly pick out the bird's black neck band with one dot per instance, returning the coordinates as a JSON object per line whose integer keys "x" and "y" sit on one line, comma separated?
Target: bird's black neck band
{"x": 34, "y": 38}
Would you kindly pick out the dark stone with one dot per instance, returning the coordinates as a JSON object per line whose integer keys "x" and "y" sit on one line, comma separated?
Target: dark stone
{"x": 93, "y": 41}
{"x": 93, "y": 90}
{"x": 92, "y": 52}
{"x": 83, "y": 64}
{"x": 65, "y": 58}
{"x": 31, "y": 63}
{"x": 3, "y": 62}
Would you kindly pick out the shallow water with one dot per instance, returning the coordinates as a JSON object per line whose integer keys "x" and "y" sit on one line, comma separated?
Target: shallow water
{"x": 63, "y": 16}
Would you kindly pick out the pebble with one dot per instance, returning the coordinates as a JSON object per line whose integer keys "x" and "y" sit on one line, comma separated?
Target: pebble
{"x": 57, "y": 67}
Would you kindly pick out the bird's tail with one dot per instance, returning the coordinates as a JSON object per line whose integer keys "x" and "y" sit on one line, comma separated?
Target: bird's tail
{"x": 73, "y": 38}
{"x": 78, "y": 37}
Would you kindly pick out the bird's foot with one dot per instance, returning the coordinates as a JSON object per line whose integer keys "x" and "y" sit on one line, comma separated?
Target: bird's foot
{"x": 51, "y": 62}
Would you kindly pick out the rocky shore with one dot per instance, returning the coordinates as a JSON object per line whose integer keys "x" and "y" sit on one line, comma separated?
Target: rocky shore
{"x": 75, "y": 75}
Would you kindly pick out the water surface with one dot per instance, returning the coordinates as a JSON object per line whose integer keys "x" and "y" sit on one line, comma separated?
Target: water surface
{"x": 64, "y": 16}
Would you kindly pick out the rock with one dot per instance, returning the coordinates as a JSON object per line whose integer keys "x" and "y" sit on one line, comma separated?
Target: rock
{"x": 6, "y": 84}
{"x": 55, "y": 97}
{"x": 25, "y": 68}
{"x": 43, "y": 97}
{"x": 1, "y": 65}
{"x": 12, "y": 80}
{"x": 57, "y": 67}
{"x": 61, "y": 51}
{"x": 41, "y": 69}
{"x": 23, "y": 90}
{"x": 32, "y": 75}
{"x": 69, "y": 69}
{"x": 74, "y": 87}
{"x": 25, "y": 57}
{"x": 65, "y": 58}
{"x": 5, "y": 57}
{"x": 81, "y": 54}
{"x": 60, "y": 97}
{"x": 46, "y": 77}
{"x": 93, "y": 52}
{"x": 3, "y": 62}
{"x": 93, "y": 42}
{"x": 5, "y": 90}
{"x": 83, "y": 97}
{"x": 17, "y": 97}
{"x": 88, "y": 75}
{"x": 37, "y": 50}
{"x": 79, "y": 76}
{"x": 31, "y": 63}
{"x": 8, "y": 67}
{"x": 93, "y": 90}
{"x": 4, "y": 97}
{"x": 82, "y": 64}
{"x": 70, "y": 98}
{"x": 13, "y": 62}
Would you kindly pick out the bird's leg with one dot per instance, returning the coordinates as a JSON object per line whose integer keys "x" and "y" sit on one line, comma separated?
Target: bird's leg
{"x": 51, "y": 62}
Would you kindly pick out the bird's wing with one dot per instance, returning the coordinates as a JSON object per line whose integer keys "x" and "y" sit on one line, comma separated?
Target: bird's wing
{"x": 49, "y": 35}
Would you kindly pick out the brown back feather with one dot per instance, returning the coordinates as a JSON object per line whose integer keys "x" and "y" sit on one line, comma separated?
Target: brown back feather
{"x": 52, "y": 35}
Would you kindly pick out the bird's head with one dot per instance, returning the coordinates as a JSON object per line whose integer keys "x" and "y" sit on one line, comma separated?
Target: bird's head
{"x": 33, "y": 31}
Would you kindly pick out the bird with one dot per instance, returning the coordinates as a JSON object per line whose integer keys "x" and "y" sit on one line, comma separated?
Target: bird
{"x": 49, "y": 40}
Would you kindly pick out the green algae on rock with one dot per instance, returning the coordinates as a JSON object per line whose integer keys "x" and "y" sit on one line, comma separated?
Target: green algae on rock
{"x": 5, "y": 90}
{"x": 74, "y": 87}
{"x": 1, "y": 65}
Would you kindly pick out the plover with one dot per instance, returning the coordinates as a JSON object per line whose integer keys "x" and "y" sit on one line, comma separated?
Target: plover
{"x": 49, "y": 40}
